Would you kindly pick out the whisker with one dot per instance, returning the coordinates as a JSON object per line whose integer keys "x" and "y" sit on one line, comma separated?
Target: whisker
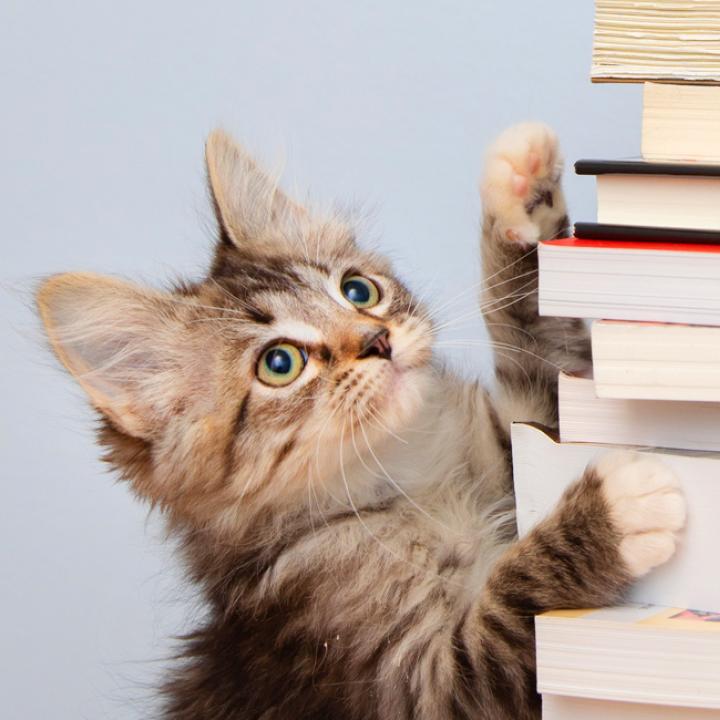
{"x": 367, "y": 529}
{"x": 484, "y": 307}
{"x": 393, "y": 482}
{"x": 383, "y": 427}
{"x": 485, "y": 289}
{"x": 496, "y": 344}
{"x": 473, "y": 287}
{"x": 513, "y": 327}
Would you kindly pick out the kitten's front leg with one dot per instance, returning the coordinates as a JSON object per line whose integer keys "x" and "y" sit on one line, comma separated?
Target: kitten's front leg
{"x": 523, "y": 203}
{"x": 615, "y": 524}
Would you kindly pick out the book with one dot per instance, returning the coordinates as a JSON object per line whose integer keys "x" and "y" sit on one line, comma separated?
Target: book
{"x": 663, "y": 282}
{"x": 635, "y": 653}
{"x": 641, "y": 233}
{"x": 584, "y": 417}
{"x": 681, "y": 122}
{"x": 543, "y": 468}
{"x": 652, "y": 361}
{"x": 656, "y": 194}
{"x": 561, "y": 707}
{"x": 675, "y": 40}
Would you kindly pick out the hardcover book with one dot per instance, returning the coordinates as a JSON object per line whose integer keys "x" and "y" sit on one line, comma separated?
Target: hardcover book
{"x": 656, "y": 194}
{"x": 662, "y": 282}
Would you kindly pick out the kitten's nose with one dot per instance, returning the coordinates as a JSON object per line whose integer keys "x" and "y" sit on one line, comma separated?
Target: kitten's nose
{"x": 377, "y": 345}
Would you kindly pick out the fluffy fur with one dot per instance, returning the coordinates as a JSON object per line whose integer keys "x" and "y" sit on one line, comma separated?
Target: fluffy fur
{"x": 351, "y": 531}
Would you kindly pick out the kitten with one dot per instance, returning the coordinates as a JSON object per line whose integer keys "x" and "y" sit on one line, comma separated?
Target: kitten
{"x": 341, "y": 499}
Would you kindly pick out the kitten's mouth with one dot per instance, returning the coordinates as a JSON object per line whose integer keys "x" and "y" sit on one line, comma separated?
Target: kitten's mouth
{"x": 392, "y": 395}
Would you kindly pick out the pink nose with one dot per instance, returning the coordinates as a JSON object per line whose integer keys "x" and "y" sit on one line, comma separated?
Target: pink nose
{"x": 378, "y": 345}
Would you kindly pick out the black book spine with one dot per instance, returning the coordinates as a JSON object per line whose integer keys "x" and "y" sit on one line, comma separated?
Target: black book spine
{"x": 641, "y": 167}
{"x": 641, "y": 233}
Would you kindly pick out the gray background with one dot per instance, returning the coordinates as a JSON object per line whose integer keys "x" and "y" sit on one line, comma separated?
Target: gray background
{"x": 105, "y": 107}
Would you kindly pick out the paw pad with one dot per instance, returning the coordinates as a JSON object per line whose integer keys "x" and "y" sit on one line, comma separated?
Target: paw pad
{"x": 520, "y": 188}
{"x": 646, "y": 506}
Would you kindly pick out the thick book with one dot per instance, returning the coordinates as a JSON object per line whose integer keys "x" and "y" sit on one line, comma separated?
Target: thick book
{"x": 584, "y": 417}
{"x": 563, "y": 707}
{"x": 543, "y": 468}
{"x": 655, "y": 361}
{"x": 633, "y": 653}
{"x": 663, "y": 282}
{"x": 656, "y": 194}
{"x": 670, "y": 40}
{"x": 681, "y": 122}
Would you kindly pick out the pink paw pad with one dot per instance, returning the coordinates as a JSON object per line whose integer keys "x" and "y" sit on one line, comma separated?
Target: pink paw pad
{"x": 520, "y": 185}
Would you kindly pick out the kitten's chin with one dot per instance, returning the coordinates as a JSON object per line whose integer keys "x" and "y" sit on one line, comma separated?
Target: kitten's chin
{"x": 402, "y": 397}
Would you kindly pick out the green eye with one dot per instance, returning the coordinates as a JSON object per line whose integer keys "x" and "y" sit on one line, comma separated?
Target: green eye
{"x": 360, "y": 291}
{"x": 281, "y": 364}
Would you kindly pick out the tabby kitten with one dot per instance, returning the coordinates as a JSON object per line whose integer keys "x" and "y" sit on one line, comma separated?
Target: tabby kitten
{"x": 342, "y": 501}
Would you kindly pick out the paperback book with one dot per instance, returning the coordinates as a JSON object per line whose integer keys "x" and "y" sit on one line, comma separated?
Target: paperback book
{"x": 681, "y": 123}
{"x": 564, "y": 707}
{"x": 674, "y": 40}
{"x": 637, "y": 653}
{"x": 652, "y": 361}
{"x": 584, "y": 417}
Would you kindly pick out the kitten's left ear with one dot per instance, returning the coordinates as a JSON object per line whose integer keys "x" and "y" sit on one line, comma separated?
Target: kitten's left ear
{"x": 253, "y": 212}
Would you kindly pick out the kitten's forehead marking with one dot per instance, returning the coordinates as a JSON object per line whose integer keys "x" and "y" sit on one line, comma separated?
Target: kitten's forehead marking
{"x": 297, "y": 330}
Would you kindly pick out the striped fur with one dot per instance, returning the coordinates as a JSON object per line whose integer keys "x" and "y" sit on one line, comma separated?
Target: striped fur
{"x": 352, "y": 533}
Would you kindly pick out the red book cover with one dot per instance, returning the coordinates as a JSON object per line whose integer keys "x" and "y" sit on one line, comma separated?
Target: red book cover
{"x": 626, "y": 245}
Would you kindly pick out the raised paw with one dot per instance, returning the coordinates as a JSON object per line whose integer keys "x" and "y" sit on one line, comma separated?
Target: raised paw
{"x": 520, "y": 187}
{"x": 646, "y": 507}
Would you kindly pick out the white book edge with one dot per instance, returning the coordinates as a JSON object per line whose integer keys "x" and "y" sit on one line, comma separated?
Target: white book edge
{"x": 667, "y": 656}
{"x": 560, "y": 707}
{"x": 543, "y": 468}
{"x": 652, "y": 361}
{"x": 585, "y": 417}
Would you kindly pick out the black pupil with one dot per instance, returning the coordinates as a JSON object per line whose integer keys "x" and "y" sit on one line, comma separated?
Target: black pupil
{"x": 279, "y": 361}
{"x": 356, "y": 291}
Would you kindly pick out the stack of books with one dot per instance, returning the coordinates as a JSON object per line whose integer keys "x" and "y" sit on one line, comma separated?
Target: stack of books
{"x": 647, "y": 273}
{"x": 641, "y": 660}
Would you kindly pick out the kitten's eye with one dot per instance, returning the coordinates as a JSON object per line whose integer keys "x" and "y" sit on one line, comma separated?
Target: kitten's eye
{"x": 281, "y": 364}
{"x": 360, "y": 291}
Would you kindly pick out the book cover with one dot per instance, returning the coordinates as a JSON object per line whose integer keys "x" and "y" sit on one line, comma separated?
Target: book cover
{"x": 637, "y": 166}
{"x": 642, "y": 234}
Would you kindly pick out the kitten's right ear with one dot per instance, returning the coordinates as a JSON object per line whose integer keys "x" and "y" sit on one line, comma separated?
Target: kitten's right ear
{"x": 254, "y": 214}
{"x": 125, "y": 345}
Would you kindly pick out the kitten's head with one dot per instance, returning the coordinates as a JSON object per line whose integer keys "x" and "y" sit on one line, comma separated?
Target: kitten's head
{"x": 241, "y": 391}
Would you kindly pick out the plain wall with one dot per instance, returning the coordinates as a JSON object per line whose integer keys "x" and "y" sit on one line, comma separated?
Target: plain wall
{"x": 104, "y": 111}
